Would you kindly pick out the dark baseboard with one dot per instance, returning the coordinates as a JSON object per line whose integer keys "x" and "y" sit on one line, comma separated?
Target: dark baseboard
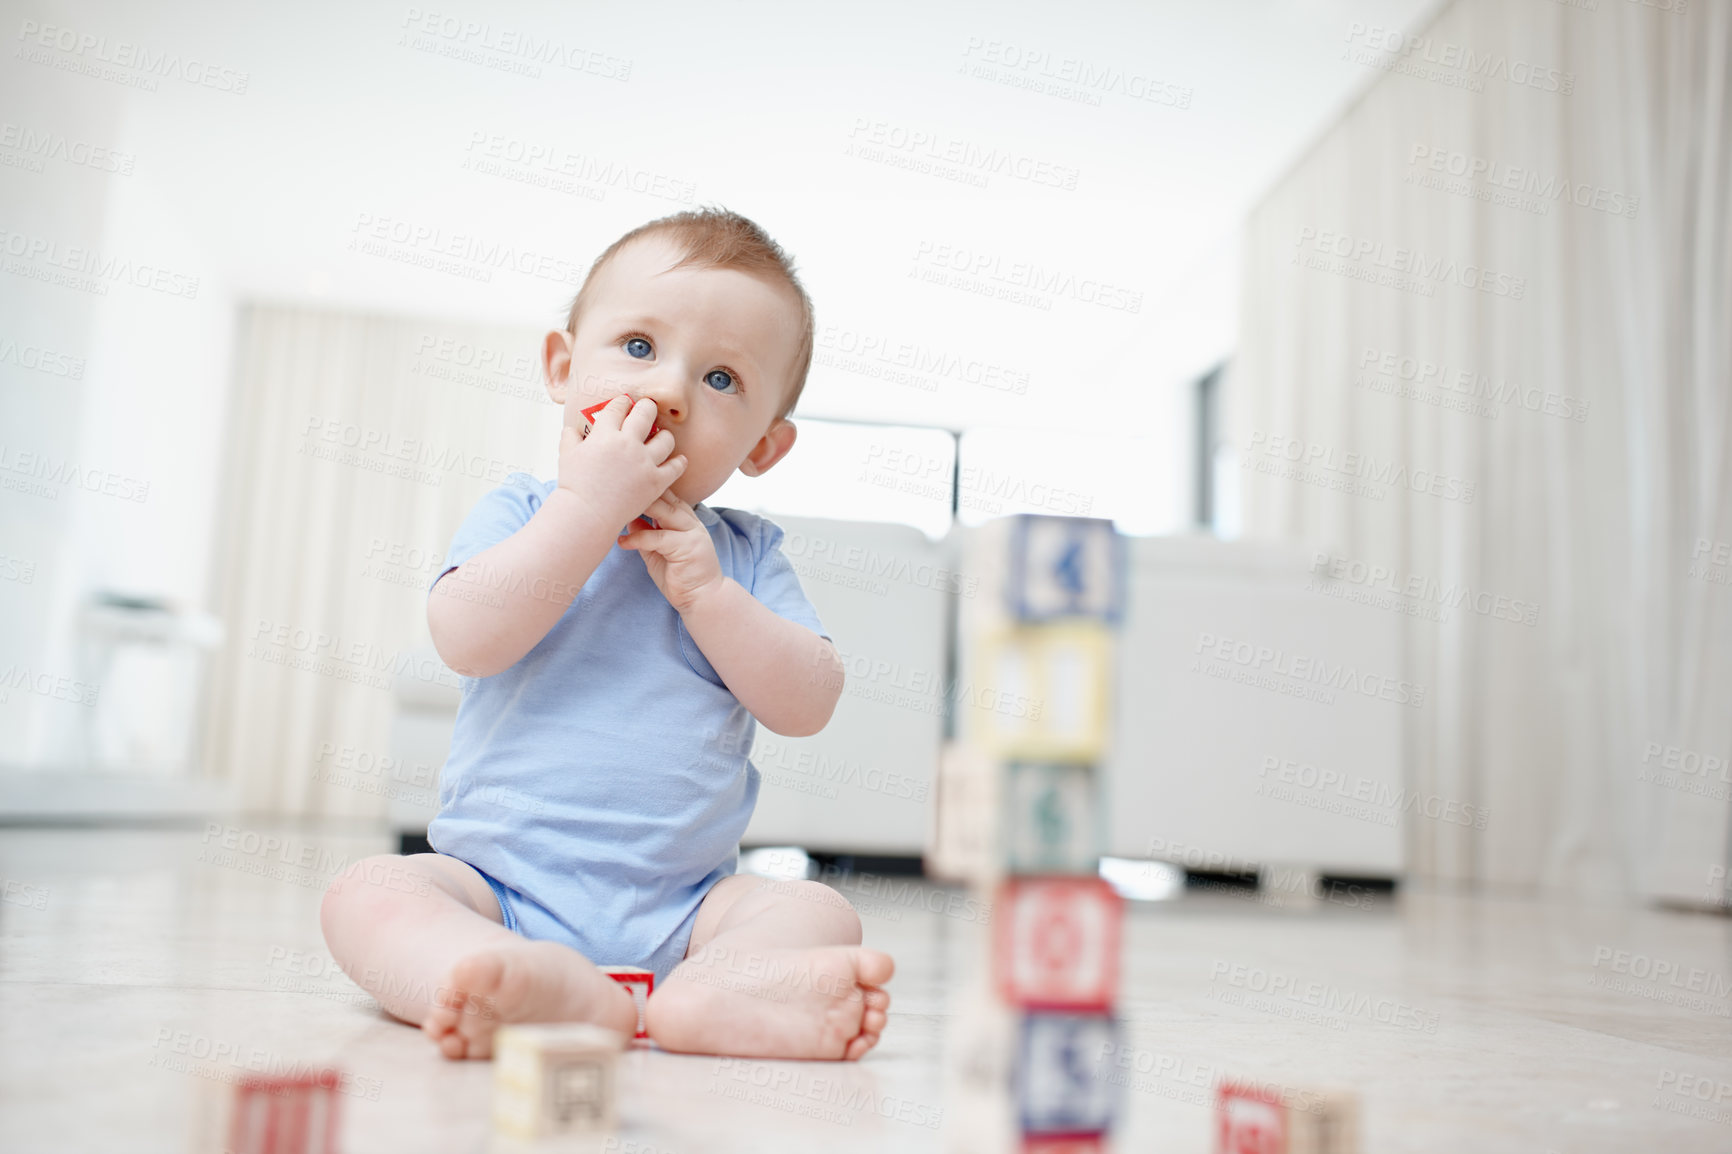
{"x": 1376, "y": 884}
{"x": 1219, "y": 879}
{"x": 880, "y": 864}
{"x": 829, "y": 864}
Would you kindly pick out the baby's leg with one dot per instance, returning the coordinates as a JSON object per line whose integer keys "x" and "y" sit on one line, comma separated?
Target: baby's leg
{"x": 424, "y": 935}
{"x": 773, "y": 970}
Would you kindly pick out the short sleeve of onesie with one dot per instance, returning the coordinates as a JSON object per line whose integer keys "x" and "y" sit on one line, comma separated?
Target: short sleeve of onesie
{"x": 500, "y": 513}
{"x": 774, "y": 581}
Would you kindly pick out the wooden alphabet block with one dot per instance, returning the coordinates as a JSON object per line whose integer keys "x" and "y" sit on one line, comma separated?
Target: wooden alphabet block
{"x": 1051, "y": 818}
{"x": 963, "y": 842}
{"x": 260, "y": 1114}
{"x": 1253, "y": 1119}
{"x": 1059, "y": 1090}
{"x": 1040, "y": 692}
{"x": 1064, "y": 1144}
{"x": 1056, "y": 942}
{"x": 979, "y": 1107}
{"x": 1065, "y": 567}
{"x": 554, "y": 1079}
{"x": 641, "y": 984}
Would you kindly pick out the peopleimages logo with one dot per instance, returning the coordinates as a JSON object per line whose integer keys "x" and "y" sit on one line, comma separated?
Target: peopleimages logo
{"x": 1376, "y": 794}
{"x": 1443, "y": 594}
{"x": 1459, "y": 58}
{"x": 1314, "y": 670}
{"x": 111, "y": 60}
{"x": 87, "y": 269}
{"x": 1408, "y": 265}
{"x": 38, "y": 145}
{"x": 1515, "y": 178}
{"x": 1318, "y": 457}
{"x": 1424, "y": 373}
{"x": 936, "y": 257}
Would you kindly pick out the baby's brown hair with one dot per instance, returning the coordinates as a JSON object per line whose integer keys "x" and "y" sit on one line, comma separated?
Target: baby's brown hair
{"x": 718, "y": 238}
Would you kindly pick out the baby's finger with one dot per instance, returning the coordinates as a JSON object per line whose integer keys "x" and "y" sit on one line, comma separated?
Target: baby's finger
{"x": 651, "y": 539}
{"x": 611, "y": 413}
{"x": 671, "y": 511}
{"x": 639, "y": 419}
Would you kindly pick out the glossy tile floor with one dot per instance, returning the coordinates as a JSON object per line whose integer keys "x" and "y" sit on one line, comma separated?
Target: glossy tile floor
{"x": 136, "y": 965}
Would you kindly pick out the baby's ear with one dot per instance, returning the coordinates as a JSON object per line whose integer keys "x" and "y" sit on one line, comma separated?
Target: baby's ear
{"x": 771, "y": 447}
{"x": 556, "y": 363}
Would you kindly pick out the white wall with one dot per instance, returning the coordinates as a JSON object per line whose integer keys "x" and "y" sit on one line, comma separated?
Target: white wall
{"x": 262, "y": 138}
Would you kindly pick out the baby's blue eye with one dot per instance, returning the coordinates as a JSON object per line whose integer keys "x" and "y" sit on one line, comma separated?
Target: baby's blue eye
{"x": 727, "y": 380}
{"x": 637, "y": 341}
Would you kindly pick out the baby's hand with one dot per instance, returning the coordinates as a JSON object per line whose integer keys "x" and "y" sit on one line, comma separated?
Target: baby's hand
{"x": 680, "y": 556}
{"x": 613, "y": 469}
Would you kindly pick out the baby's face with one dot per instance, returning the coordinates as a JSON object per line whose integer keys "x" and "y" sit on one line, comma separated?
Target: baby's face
{"x": 713, "y": 348}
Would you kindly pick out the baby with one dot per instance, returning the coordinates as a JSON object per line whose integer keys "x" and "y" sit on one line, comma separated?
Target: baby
{"x": 618, "y": 641}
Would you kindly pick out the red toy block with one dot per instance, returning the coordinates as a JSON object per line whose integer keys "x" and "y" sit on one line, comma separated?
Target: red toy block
{"x": 277, "y": 1115}
{"x": 1249, "y": 1121}
{"x": 589, "y": 415}
{"x": 640, "y": 983}
{"x": 1056, "y": 942}
{"x": 1064, "y": 1144}
{"x": 1252, "y": 1119}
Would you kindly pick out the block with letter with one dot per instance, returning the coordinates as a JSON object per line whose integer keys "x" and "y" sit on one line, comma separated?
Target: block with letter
{"x": 963, "y": 838}
{"x": 261, "y": 1114}
{"x": 1051, "y": 818}
{"x": 1060, "y": 1091}
{"x": 1056, "y": 942}
{"x": 1039, "y": 692}
{"x": 640, "y": 984}
{"x": 1255, "y": 1119}
{"x": 1065, "y": 567}
{"x": 554, "y": 1079}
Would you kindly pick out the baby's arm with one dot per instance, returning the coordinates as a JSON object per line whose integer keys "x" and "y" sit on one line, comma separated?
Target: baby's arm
{"x": 498, "y": 605}
{"x": 786, "y": 675}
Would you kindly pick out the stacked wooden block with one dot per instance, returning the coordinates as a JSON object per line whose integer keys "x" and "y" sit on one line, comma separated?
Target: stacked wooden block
{"x": 1019, "y": 816}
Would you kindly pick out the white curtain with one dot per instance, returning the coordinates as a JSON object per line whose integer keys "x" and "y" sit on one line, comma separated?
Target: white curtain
{"x": 356, "y": 446}
{"x": 1599, "y": 522}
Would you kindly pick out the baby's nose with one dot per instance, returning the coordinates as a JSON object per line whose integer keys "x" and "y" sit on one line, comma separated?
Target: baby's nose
{"x": 669, "y": 406}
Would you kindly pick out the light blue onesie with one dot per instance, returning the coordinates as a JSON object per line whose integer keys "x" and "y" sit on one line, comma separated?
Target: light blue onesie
{"x": 601, "y": 783}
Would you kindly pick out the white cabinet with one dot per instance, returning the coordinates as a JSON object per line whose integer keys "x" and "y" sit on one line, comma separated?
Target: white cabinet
{"x": 1258, "y": 715}
{"x": 865, "y": 783}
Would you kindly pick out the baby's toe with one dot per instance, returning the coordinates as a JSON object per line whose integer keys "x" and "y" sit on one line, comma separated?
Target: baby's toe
{"x": 438, "y": 1023}
{"x": 873, "y": 1022}
{"x": 858, "y": 1047}
{"x": 875, "y": 998}
{"x": 873, "y": 967}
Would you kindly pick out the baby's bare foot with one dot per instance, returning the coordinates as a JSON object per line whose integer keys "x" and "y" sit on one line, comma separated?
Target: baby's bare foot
{"x": 522, "y": 982}
{"x": 823, "y": 1002}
